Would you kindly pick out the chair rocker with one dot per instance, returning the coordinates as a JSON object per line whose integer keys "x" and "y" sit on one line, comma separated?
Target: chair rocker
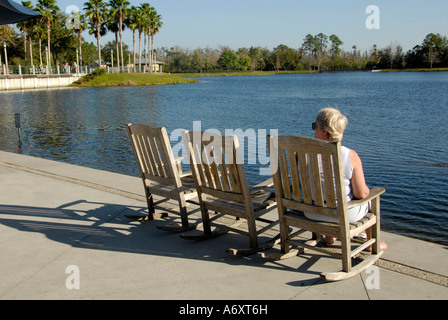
{"x": 161, "y": 174}
{"x": 309, "y": 179}
{"x": 222, "y": 187}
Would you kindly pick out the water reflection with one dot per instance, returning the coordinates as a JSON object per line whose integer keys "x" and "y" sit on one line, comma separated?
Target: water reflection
{"x": 83, "y": 126}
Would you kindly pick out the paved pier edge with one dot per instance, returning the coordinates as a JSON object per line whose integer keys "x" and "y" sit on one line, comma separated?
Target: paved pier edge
{"x": 382, "y": 263}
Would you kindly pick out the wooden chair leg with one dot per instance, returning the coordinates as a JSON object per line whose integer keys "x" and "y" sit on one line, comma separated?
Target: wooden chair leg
{"x": 150, "y": 203}
{"x": 183, "y": 214}
{"x": 375, "y": 229}
{"x": 151, "y": 210}
{"x": 346, "y": 258}
{"x": 252, "y": 234}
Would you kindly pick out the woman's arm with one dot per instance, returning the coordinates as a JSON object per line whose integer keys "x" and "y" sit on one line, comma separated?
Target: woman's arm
{"x": 359, "y": 187}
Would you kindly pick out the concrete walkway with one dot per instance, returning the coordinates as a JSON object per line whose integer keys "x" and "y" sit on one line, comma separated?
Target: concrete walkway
{"x": 64, "y": 235}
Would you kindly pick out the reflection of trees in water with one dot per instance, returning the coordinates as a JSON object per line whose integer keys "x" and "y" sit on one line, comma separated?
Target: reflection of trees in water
{"x": 85, "y": 126}
{"x": 50, "y": 125}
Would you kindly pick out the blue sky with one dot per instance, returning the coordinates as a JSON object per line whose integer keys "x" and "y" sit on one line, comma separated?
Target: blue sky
{"x": 266, "y": 23}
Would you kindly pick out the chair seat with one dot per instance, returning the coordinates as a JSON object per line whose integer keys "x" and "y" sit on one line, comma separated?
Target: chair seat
{"x": 188, "y": 187}
{"x": 333, "y": 228}
{"x": 219, "y": 205}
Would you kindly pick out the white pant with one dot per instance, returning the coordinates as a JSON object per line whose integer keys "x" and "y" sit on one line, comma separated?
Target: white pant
{"x": 354, "y": 214}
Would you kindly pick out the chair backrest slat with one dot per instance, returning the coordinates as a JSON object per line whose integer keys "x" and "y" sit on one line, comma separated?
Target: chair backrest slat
{"x": 295, "y": 177}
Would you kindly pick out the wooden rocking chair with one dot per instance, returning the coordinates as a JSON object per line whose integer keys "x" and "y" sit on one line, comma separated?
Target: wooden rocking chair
{"x": 310, "y": 179}
{"x": 160, "y": 173}
{"x": 222, "y": 187}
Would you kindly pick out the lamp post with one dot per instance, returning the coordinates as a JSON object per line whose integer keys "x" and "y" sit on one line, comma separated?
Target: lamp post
{"x": 112, "y": 57}
{"x": 6, "y": 58}
{"x": 77, "y": 61}
{"x": 46, "y": 57}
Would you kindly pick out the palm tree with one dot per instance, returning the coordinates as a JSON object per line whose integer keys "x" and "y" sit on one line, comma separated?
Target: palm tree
{"x": 39, "y": 32}
{"x": 95, "y": 12}
{"x": 132, "y": 22}
{"x": 26, "y": 27}
{"x": 156, "y": 24}
{"x": 146, "y": 25}
{"x": 112, "y": 25}
{"x": 140, "y": 17}
{"x": 121, "y": 7}
{"x": 80, "y": 27}
{"x": 48, "y": 9}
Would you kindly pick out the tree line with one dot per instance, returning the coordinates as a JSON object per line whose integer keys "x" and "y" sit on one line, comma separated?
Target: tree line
{"x": 61, "y": 33}
{"x": 319, "y": 52}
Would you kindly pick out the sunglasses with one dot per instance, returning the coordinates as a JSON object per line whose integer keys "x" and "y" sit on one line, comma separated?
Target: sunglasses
{"x": 314, "y": 125}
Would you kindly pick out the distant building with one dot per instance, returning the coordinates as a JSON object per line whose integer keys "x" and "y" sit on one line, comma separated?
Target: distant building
{"x": 156, "y": 65}
{"x": 95, "y": 64}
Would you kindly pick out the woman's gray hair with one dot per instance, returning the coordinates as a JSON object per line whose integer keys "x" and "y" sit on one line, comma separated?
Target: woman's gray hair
{"x": 332, "y": 121}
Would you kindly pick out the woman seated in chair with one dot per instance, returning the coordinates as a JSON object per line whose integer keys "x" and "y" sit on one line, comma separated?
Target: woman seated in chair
{"x": 330, "y": 125}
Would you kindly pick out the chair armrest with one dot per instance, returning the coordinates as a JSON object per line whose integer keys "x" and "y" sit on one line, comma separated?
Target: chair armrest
{"x": 178, "y": 164}
{"x": 185, "y": 174}
{"x": 374, "y": 192}
{"x": 267, "y": 183}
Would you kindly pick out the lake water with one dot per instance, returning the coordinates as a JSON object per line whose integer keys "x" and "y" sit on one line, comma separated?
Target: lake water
{"x": 397, "y": 124}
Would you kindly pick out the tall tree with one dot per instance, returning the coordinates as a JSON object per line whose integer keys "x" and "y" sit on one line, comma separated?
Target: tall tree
{"x": 112, "y": 25}
{"x": 335, "y": 44}
{"x": 80, "y": 26}
{"x": 140, "y": 22}
{"x": 146, "y": 18}
{"x": 95, "y": 12}
{"x": 155, "y": 25}
{"x": 25, "y": 27}
{"x": 131, "y": 22}
{"x": 39, "y": 32}
{"x": 316, "y": 46}
{"x": 434, "y": 48}
{"x": 48, "y": 9}
{"x": 121, "y": 7}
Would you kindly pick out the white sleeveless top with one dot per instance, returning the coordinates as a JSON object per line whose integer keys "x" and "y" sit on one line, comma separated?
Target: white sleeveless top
{"x": 354, "y": 213}
{"x": 348, "y": 172}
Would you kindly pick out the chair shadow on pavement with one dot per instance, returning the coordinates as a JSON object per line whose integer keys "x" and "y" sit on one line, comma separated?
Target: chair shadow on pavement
{"x": 103, "y": 226}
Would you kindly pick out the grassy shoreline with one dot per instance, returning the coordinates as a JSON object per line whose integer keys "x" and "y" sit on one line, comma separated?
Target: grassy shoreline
{"x": 132, "y": 79}
{"x": 142, "y": 79}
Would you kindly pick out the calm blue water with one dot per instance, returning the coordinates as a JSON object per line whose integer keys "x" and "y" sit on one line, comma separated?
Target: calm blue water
{"x": 397, "y": 124}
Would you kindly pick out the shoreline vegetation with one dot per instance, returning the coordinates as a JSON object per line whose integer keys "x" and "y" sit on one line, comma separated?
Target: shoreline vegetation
{"x": 131, "y": 79}
{"x": 100, "y": 79}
